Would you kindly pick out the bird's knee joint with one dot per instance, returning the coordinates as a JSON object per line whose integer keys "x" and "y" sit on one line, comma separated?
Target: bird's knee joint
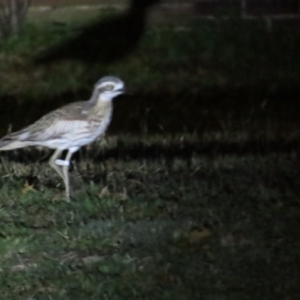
{"x": 61, "y": 162}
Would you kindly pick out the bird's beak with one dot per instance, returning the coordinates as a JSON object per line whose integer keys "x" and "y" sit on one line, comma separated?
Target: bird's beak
{"x": 122, "y": 91}
{"x": 128, "y": 91}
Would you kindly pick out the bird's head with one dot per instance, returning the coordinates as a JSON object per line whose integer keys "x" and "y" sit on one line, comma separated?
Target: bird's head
{"x": 109, "y": 87}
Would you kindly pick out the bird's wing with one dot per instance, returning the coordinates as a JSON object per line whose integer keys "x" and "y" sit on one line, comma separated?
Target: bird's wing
{"x": 67, "y": 120}
{"x": 47, "y": 129}
{"x": 40, "y": 132}
{"x": 58, "y": 129}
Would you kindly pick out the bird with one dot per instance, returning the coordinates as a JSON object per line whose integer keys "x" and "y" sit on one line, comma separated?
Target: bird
{"x": 104, "y": 41}
{"x": 69, "y": 127}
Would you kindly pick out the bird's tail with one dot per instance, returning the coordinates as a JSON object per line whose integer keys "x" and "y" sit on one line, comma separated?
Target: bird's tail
{"x": 15, "y": 140}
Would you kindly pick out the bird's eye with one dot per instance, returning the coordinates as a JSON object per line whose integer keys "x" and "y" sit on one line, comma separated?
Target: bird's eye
{"x": 109, "y": 87}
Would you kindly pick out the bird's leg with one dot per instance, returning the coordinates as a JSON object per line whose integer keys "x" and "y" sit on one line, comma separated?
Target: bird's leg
{"x": 65, "y": 169}
{"x": 53, "y": 164}
{"x": 61, "y": 172}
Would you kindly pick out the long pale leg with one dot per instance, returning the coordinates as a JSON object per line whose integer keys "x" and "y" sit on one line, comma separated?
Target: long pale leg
{"x": 65, "y": 169}
{"x": 60, "y": 171}
{"x": 52, "y": 163}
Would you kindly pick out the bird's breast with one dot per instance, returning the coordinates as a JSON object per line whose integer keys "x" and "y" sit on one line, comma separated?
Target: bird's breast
{"x": 99, "y": 122}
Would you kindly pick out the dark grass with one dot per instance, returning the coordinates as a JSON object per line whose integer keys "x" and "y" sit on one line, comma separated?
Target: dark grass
{"x": 201, "y": 227}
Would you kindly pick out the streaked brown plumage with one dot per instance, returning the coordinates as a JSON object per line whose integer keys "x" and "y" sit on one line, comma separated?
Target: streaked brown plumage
{"x": 69, "y": 127}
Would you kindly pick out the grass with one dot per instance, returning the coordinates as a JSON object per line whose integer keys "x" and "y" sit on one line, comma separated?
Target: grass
{"x": 179, "y": 226}
{"x": 197, "y": 197}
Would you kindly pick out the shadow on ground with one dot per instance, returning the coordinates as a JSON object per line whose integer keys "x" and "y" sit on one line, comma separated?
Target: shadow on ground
{"x": 103, "y": 41}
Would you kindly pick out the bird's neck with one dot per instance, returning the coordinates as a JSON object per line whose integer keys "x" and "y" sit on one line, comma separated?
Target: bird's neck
{"x": 97, "y": 98}
{"x": 100, "y": 103}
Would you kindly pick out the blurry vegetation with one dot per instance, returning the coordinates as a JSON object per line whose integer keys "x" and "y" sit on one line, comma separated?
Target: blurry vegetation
{"x": 12, "y": 16}
{"x": 227, "y": 54}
